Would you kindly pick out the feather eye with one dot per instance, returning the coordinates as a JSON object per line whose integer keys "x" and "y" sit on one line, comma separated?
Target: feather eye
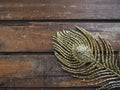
{"x": 81, "y": 55}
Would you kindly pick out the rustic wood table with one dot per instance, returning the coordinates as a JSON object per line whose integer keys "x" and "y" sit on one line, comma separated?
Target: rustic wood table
{"x": 27, "y": 61}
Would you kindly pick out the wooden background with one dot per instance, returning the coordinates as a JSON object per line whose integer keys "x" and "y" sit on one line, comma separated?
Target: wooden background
{"x": 27, "y": 61}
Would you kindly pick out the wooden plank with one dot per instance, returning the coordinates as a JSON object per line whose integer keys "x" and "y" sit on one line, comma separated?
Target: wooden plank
{"x": 62, "y": 9}
{"x": 50, "y": 88}
{"x": 19, "y": 66}
{"x": 22, "y": 82}
{"x": 27, "y": 66}
{"x": 37, "y": 36}
{"x": 35, "y": 71}
{"x": 69, "y": 88}
{"x": 64, "y": 81}
{"x": 23, "y": 70}
{"x": 31, "y": 71}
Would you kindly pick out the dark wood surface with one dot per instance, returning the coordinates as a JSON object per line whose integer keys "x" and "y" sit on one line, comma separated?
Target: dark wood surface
{"x": 27, "y": 61}
{"x": 62, "y": 9}
{"x": 37, "y": 36}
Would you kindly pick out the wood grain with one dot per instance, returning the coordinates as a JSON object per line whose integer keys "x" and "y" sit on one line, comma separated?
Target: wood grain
{"x": 23, "y": 70}
{"x": 36, "y": 75}
{"x": 62, "y": 88}
{"x": 36, "y": 71}
{"x": 27, "y": 66}
{"x": 50, "y": 88}
{"x": 12, "y": 83}
{"x": 37, "y": 37}
{"x": 62, "y": 9}
{"x": 26, "y": 29}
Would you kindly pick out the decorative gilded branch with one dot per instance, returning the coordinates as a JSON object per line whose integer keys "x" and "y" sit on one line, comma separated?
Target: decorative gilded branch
{"x": 80, "y": 54}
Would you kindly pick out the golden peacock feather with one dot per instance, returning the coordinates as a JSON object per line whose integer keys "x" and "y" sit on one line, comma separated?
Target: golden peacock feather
{"x": 80, "y": 54}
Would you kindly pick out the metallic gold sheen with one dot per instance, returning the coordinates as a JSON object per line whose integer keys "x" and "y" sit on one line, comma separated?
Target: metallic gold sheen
{"x": 80, "y": 54}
